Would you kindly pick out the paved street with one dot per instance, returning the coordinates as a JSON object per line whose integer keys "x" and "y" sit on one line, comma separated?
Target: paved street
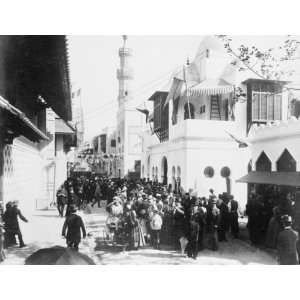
{"x": 44, "y": 228}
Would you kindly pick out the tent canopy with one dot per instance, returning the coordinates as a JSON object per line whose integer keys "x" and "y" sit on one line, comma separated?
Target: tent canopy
{"x": 273, "y": 178}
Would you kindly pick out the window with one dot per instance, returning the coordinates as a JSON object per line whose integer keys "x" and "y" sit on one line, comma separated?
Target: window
{"x": 225, "y": 172}
{"x": 209, "y": 172}
{"x": 202, "y": 109}
{"x": 113, "y": 143}
{"x": 266, "y": 106}
{"x": 189, "y": 111}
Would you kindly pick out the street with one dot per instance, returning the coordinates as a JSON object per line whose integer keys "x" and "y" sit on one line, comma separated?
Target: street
{"x": 235, "y": 252}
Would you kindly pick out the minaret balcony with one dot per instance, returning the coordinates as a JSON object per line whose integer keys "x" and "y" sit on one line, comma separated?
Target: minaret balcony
{"x": 125, "y": 74}
{"x": 125, "y": 52}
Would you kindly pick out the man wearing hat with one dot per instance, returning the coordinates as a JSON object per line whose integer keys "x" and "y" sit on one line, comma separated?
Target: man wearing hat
{"x": 286, "y": 243}
{"x": 73, "y": 224}
{"x": 233, "y": 207}
{"x": 212, "y": 222}
{"x": 224, "y": 218}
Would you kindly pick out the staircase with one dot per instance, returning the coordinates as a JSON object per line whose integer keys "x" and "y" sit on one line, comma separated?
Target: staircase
{"x": 215, "y": 108}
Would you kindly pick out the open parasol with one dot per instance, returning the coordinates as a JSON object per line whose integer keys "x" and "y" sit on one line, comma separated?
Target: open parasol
{"x": 58, "y": 255}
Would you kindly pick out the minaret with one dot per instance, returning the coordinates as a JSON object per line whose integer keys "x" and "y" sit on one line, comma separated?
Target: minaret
{"x": 129, "y": 120}
{"x": 125, "y": 73}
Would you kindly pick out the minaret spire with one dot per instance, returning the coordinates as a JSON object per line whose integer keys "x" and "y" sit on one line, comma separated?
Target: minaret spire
{"x": 124, "y": 40}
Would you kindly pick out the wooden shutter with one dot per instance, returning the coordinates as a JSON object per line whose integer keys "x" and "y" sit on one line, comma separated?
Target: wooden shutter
{"x": 277, "y": 107}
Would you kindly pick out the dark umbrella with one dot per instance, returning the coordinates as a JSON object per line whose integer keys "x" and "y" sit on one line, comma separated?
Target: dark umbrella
{"x": 58, "y": 255}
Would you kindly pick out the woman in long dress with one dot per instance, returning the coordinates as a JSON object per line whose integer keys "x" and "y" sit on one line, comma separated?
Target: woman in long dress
{"x": 133, "y": 229}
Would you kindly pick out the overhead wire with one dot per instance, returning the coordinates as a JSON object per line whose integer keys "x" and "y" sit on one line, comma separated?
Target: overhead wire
{"x": 141, "y": 90}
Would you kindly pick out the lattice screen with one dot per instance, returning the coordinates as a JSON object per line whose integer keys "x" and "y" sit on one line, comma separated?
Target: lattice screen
{"x": 7, "y": 161}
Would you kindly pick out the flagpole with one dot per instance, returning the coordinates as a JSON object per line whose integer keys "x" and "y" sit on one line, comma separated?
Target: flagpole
{"x": 186, "y": 89}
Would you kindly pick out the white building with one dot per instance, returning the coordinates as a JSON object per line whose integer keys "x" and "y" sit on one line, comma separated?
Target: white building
{"x": 190, "y": 145}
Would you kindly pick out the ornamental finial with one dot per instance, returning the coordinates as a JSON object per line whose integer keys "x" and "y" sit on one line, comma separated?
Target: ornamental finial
{"x": 124, "y": 40}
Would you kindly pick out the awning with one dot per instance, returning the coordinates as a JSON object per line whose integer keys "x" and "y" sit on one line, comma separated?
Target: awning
{"x": 20, "y": 124}
{"x": 62, "y": 127}
{"x": 273, "y": 178}
{"x": 211, "y": 87}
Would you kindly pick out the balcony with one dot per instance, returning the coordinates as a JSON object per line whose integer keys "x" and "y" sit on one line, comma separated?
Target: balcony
{"x": 125, "y": 74}
{"x": 125, "y": 52}
{"x": 195, "y": 128}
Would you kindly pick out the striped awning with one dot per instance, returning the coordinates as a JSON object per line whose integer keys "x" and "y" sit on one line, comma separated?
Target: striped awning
{"x": 211, "y": 87}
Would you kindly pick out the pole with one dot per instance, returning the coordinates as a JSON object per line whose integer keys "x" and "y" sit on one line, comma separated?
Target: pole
{"x": 186, "y": 90}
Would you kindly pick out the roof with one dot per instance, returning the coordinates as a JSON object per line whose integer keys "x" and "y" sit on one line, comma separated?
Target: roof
{"x": 20, "y": 124}
{"x": 62, "y": 127}
{"x": 156, "y": 94}
{"x": 256, "y": 80}
{"x": 42, "y": 65}
{"x": 273, "y": 178}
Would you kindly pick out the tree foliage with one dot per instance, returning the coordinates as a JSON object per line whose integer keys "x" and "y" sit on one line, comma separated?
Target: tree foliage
{"x": 266, "y": 64}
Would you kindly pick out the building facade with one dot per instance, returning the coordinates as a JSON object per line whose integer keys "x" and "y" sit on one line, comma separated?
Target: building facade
{"x": 198, "y": 126}
{"x": 34, "y": 83}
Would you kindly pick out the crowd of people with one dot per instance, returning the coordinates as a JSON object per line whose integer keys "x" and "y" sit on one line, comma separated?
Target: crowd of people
{"x": 149, "y": 213}
{"x": 145, "y": 213}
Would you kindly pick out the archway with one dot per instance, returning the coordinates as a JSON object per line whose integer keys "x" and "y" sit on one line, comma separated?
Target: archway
{"x": 148, "y": 167}
{"x": 143, "y": 171}
{"x": 173, "y": 178}
{"x": 286, "y": 162}
{"x": 156, "y": 174}
{"x": 164, "y": 170}
{"x": 178, "y": 179}
{"x": 189, "y": 111}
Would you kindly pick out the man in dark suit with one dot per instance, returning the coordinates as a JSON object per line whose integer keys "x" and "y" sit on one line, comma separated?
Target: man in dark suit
{"x": 287, "y": 243}
{"x": 12, "y": 227}
{"x": 233, "y": 207}
{"x": 73, "y": 224}
{"x": 224, "y": 217}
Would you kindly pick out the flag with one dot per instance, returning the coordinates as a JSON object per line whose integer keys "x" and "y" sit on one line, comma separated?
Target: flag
{"x": 175, "y": 90}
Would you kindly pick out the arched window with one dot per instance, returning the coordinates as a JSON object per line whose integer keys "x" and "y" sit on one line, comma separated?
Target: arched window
{"x": 250, "y": 166}
{"x": 286, "y": 162}
{"x": 189, "y": 111}
{"x": 263, "y": 163}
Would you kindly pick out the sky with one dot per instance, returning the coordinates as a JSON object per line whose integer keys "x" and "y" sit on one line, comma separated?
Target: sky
{"x": 94, "y": 61}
